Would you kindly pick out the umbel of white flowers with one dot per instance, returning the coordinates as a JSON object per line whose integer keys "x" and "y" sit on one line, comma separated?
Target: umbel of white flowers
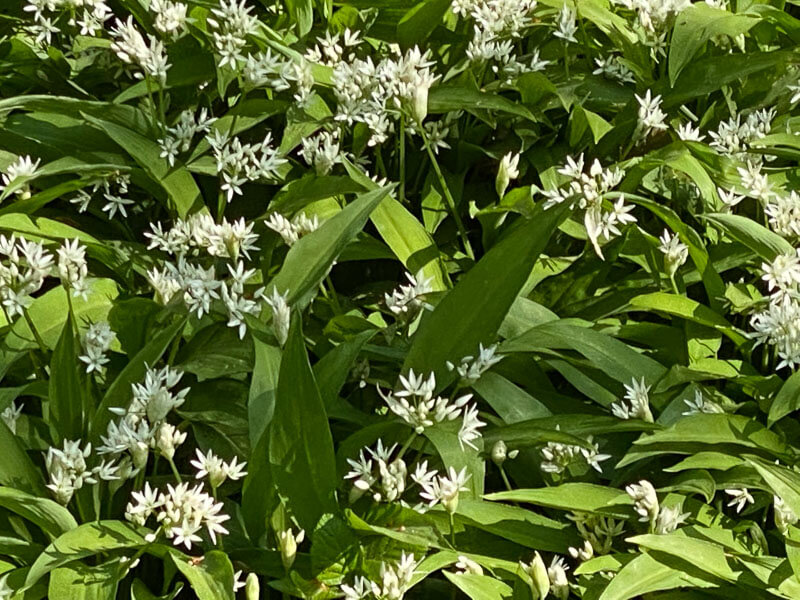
{"x": 416, "y": 404}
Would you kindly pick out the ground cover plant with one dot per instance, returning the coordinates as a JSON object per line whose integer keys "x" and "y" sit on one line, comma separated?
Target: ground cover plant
{"x": 375, "y": 299}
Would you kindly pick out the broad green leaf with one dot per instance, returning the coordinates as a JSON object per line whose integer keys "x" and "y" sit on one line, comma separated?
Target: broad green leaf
{"x": 420, "y": 20}
{"x": 521, "y": 526}
{"x": 766, "y": 244}
{"x": 119, "y": 394}
{"x": 211, "y": 578}
{"x": 139, "y": 591}
{"x": 445, "y": 98}
{"x": 302, "y": 12}
{"x": 50, "y": 516}
{"x": 511, "y": 402}
{"x": 261, "y": 399}
{"x": 309, "y": 260}
{"x": 480, "y": 587}
{"x": 405, "y": 235}
{"x": 469, "y": 314}
{"x": 216, "y": 351}
{"x": 615, "y": 358}
{"x": 718, "y": 429}
{"x": 704, "y": 555}
{"x": 82, "y": 582}
{"x": 301, "y": 464}
{"x": 787, "y": 399}
{"x": 695, "y": 26}
{"x": 643, "y": 575}
{"x": 85, "y": 540}
{"x": 783, "y": 482}
{"x": 571, "y": 428}
{"x": 16, "y": 469}
{"x": 686, "y": 308}
{"x": 66, "y": 394}
{"x": 581, "y": 497}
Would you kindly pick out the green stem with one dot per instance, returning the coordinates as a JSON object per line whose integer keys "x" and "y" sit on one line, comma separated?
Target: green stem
{"x": 175, "y": 470}
{"x": 566, "y": 59}
{"x": 153, "y": 114}
{"x": 451, "y": 204}
{"x": 337, "y": 308}
{"x": 407, "y": 444}
{"x": 452, "y": 530}
{"x": 402, "y": 191}
{"x": 34, "y": 331}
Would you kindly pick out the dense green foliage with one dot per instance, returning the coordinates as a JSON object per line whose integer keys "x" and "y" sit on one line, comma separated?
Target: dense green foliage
{"x": 493, "y": 299}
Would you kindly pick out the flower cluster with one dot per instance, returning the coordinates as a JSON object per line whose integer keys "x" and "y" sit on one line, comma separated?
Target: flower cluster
{"x": 24, "y": 266}
{"x": 140, "y": 425}
{"x": 778, "y": 324}
{"x": 408, "y": 300}
{"x": 16, "y": 176}
{"x": 395, "y": 580}
{"x": 69, "y": 472}
{"x": 558, "y": 457}
{"x": 638, "y": 402}
{"x": 181, "y": 512}
{"x": 416, "y": 404}
{"x": 586, "y": 191}
{"x": 96, "y": 342}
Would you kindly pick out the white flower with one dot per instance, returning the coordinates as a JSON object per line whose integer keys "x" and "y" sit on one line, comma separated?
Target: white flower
{"x": 181, "y": 512}
{"x": 638, "y": 406}
{"x": 471, "y": 368}
{"x": 10, "y": 415}
{"x": 445, "y": 489}
{"x": 645, "y": 500}
{"x": 361, "y": 588}
{"x": 557, "y": 572}
{"x": 167, "y": 438}
{"x": 701, "y": 405}
{"x": 613, "y": 68}
{"x": 170, "y": 17}
{"x": 23, "y": 168}
{"x": 508, "y": 171}
{"x": 690, "y": 134}
{"x": 669, "y": 519}
{"x": 96, "y": 342}
{"x": 72, "y": 268}
{"x": 131, "y": 47}
{"x": 281, "y": 314}
{"x": 408, "y": 300}
{"x": 730, "y": 199}
{"x": 68, "y": 469}
{"x": 557, "y": 457}
{"x": 211, "y": 466}
{"x": 322, "y": 151}
{"x": 469, "y": 427}
{"x": 740, "y": 497}
{"x": 583, "y": 553}
{"x": 567, "y": 26}
{"x": 784, "y": 515}
{"x": 675, "y": 252}
{"x": 467, "y": 565}
{"x": 651, "y": 117}
{"x": 755, "y": 182}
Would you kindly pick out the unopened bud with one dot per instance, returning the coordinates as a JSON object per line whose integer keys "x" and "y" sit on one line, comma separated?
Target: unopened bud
{"x": 541, "y": 580}
{"x": 508, "y": 170}
{"x": 287, "y": 543}
{"x": 252, "y": 589}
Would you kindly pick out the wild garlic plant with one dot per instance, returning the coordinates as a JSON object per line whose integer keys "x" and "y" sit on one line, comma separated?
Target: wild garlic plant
{"x": 473, "y": 298}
